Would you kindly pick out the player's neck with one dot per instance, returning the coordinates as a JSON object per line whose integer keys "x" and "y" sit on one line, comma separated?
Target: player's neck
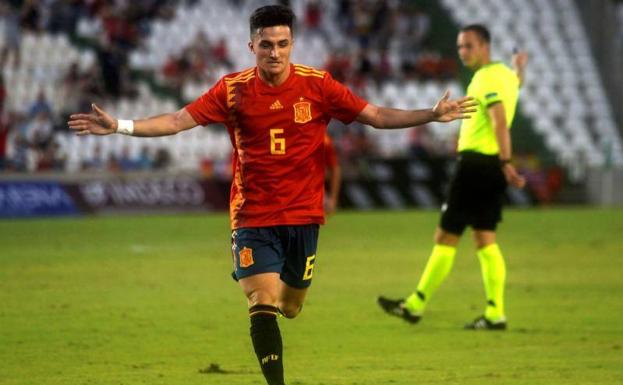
{"x": 274, "y": 80}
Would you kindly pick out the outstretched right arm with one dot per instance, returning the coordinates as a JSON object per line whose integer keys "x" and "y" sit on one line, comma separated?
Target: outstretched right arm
{"x": 98, "y": 122}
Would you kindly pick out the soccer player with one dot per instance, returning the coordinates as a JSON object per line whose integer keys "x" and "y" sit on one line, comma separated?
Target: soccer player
{"x": 334, "y": 175}
{"x": 475, "y": 197}
{"x": 276, "y": 114}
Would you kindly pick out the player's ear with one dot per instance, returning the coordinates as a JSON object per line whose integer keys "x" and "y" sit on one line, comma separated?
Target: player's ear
{"x": 250, "y": 44}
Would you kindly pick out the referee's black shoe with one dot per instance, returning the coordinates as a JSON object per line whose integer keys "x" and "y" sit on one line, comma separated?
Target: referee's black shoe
{"x": 481, "y": 323}
{"x": 396, "y": 308}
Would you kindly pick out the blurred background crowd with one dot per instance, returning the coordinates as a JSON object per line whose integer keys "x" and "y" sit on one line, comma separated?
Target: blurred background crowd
{"x": 140, "y": 58}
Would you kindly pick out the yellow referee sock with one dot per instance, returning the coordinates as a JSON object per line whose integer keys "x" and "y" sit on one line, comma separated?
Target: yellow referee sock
{"x": 437, "y": 268}
{"x": 494, "y": 277}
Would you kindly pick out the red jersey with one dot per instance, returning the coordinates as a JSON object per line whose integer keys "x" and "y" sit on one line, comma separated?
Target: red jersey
{"x": 278, "y": 139}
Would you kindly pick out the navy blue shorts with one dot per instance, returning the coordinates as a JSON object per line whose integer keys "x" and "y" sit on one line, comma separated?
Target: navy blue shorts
{"x": 288, "y": 250}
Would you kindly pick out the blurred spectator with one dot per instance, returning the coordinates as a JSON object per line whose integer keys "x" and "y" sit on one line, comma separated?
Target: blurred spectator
{"x": 197, "y": 62}
{"x": 174, "y": 69}
{"x": 419, "y": 142}
{"x": 112, "y": 164}
{"x": 339, "y": 65}
{"x": 40, "y": 105}
{"x": 220, "y": 54}
{"x": 125, "y": 161}
{"x": 362, "y": 22}
{"x": 353, "y": 146}
{"x": 314, "y": 19}
{"x": 111, "y": 60}
{"x": 162, "y": 159}
{"x": 2, "y": 93}
{"x": 31, "y": 16}
{"x": 22, "y": 154}
{"x": 544, "y": 184}
{"x": 12, "y": 33}
{"x": 96, "y": 162}
{"x": 388, "y": 34}
{"x": 343, "y": 16}
{"x": 144, "y": 161}
{"x": 313, "y": 15}
{"x": 51, "y": 158}
{"x": 38, "y": 130}
{"x": 4, "y": 138}
{"x": 63, "y": 15}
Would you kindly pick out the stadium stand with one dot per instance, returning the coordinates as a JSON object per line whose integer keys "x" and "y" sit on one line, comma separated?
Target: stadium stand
{"x": 563, "y": 93}
{"x": 396, "y": 66}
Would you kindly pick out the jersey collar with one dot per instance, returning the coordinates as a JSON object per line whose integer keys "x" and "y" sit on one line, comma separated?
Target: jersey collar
{"x": 264, "y": 88}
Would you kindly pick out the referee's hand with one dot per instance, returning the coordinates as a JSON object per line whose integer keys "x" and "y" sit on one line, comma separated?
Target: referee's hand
{"x": 512, "y": 176}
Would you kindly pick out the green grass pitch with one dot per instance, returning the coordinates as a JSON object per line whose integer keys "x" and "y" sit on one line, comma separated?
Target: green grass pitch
{"x": 149, "y": 300}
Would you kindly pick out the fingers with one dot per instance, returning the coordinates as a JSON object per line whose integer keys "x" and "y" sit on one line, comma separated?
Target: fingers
{"x": 78, "y": 124}
{"x": 467, "y": 101}
{"x": 81, "y": 117}
{"x": 96, "y": 109}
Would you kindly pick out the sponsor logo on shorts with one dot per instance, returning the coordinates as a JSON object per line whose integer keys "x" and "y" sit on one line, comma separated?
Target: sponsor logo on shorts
{"x": 246, "y": 257}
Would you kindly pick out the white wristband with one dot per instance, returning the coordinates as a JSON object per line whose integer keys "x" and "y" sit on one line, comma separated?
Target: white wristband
{"x": 125, "y": 127}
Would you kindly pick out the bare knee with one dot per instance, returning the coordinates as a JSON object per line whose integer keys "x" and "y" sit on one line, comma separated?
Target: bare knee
{"x": 443, "y": 237}
{"x": 290, "y": 310}
{"x": 260, "y": 297}
{"x": 261, "y": 289}
{"x": 484, "y": 238}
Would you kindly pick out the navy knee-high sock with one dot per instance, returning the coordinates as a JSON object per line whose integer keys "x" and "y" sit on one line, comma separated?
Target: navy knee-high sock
{"x": 267, "y": 342}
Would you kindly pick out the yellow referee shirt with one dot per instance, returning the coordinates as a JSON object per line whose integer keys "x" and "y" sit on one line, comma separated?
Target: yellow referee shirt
{"x": 492, "y": 83}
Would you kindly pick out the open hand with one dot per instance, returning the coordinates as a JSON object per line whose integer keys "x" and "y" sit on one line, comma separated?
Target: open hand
{"x": 512, "y": 176}
{"x": 97, "y": 122}
{"x": 447, "y": 110}
{"x": 519, "y": 60}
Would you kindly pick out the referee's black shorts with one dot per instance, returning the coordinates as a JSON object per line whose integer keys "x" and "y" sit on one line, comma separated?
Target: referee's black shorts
{"x": 476, "y": 194}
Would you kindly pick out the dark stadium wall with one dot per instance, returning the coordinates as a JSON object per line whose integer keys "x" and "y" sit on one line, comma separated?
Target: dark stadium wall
{"x": 601, "y": 25}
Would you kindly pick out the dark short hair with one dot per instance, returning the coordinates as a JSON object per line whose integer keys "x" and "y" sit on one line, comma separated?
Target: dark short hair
{"x": 480, "y": 30}
{"x": 270, "y": 16}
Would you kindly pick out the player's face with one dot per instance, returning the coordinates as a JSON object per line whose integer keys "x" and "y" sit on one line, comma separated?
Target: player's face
{"x": 473, "y": 51}
{"x": 272, "y": 47}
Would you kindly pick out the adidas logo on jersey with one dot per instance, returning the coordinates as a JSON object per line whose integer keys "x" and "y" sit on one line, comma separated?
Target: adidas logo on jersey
{"x": 276, "y": 105}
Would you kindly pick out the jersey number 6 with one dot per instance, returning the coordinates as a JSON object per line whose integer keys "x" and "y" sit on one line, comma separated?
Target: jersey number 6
{"x": 277, "y": 144}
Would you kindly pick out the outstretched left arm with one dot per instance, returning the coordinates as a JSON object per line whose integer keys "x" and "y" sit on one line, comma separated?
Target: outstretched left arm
{"x": 445, "y": 110}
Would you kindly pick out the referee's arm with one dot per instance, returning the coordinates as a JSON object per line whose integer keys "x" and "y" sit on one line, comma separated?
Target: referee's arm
{"x": 519, "y": 61}
{"x": 497, "y": 115}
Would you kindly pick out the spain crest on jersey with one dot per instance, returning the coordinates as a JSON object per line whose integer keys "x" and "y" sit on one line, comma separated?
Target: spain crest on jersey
{"x": 246, "y": 257}
{"x": 302, "y": 112}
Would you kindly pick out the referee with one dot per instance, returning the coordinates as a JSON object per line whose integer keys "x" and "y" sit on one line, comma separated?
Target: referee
{"x": 475, "y": 198}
